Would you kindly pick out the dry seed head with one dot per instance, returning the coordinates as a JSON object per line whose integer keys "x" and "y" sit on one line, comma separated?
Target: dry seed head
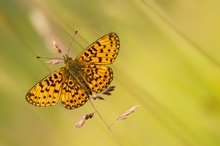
{"x": 128, "y": 112}
{"x": 56, "y": 47}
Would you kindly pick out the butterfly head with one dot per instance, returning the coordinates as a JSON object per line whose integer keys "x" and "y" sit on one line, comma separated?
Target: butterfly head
{"x": 70, "y": 63}
{"x": 66, "y": 58}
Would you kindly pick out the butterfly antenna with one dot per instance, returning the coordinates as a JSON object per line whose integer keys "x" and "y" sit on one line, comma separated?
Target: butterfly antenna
{"x": 47, "y": 57}
{"x": 71, "y": 42}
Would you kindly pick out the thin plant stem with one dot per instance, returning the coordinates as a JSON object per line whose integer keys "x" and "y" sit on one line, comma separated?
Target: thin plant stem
{"x": 112, "y": 123}
{"x": 105, "y": 123}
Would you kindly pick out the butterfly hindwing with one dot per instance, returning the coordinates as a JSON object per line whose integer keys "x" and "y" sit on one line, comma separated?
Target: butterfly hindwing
{"x": 73, "y": 95}
{"x": 98, "y": 77}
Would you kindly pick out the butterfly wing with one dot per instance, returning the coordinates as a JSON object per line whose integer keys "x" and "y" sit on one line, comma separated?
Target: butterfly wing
{"x": 73, "y": 94}
{"x": 47, "y": 91}
{"x": 97, "y": 77}
{"x": 102, "y": 51}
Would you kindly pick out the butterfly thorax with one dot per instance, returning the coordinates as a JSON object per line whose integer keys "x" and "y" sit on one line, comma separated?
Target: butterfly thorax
{"x": 74, "y": 69}
{"x": 72, "y": 65}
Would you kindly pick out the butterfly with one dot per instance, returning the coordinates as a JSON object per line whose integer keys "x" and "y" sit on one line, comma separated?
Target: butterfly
{"x": 80, "y": 78}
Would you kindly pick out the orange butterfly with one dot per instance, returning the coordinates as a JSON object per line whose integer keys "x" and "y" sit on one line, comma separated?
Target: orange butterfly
{"x": 85, "y": 75}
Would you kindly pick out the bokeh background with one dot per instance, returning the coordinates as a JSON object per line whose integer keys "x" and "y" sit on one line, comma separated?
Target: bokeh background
{"x": 168, "y": 64}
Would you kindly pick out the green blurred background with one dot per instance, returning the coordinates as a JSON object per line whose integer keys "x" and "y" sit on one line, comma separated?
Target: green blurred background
{"x": 168, "y": 64}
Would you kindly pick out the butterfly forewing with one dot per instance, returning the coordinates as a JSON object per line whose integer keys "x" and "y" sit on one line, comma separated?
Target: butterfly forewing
{"x": 47, "y": 91}
{"x": 102, "y": 51}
